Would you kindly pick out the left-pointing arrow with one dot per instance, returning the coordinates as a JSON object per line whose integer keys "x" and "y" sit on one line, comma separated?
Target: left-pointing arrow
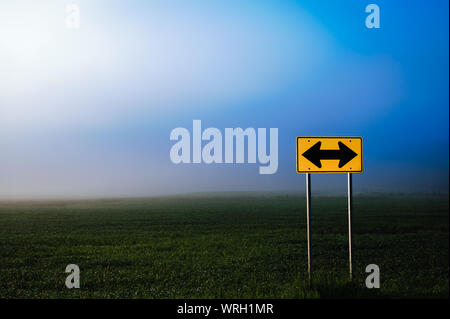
{"x": 314, "y": 154}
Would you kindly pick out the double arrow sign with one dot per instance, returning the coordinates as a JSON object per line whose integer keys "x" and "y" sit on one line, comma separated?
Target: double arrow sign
{"x": 329, "y": 154}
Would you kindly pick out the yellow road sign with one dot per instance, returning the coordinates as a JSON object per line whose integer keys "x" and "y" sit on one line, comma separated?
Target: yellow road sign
{"x": 329, "y": 154}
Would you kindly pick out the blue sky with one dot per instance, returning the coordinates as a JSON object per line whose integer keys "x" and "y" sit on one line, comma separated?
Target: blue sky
{"x": 88, "y": 112}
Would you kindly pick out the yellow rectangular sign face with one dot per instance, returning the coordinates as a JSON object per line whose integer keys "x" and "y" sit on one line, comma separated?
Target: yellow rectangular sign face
{"x": 329, "y": 154}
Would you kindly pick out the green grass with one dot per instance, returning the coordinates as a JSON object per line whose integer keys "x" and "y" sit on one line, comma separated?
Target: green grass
{"x": 217, "y": 246}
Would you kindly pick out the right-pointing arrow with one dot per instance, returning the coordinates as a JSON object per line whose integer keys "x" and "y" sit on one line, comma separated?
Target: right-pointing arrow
{"x": 344, "y": 154}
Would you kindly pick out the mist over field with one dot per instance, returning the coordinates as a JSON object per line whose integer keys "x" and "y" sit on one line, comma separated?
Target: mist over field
{"x": 150, "y": 150}
{"x": 88, "y": 113}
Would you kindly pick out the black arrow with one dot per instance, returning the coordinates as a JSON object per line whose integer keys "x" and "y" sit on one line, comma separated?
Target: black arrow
{"x": 343, "y": 154}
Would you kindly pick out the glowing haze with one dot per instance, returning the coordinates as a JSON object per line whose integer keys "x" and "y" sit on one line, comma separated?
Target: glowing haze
{"x": 88, "y": 112}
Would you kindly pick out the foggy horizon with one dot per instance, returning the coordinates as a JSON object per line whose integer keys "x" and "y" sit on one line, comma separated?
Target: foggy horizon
{"x": 87, "y": 113}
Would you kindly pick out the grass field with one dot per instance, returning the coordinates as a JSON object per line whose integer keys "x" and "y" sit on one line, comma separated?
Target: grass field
{"x": 224, "y": 246}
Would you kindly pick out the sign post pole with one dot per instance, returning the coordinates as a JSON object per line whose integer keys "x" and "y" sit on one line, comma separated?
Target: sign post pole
{"x": 308, "y": 213}
{"x": 322, "y": 154}
{"x": 350, "y": 193}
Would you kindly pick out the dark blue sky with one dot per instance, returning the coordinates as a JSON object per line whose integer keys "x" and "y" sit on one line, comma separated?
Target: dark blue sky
{"x": 88, "y": 112}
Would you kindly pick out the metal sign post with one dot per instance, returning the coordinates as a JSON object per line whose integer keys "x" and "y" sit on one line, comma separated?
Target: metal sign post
{"x": 329, "y": 155}
{"x": 308, "y": 214}
{"x": 349, "y": 201}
